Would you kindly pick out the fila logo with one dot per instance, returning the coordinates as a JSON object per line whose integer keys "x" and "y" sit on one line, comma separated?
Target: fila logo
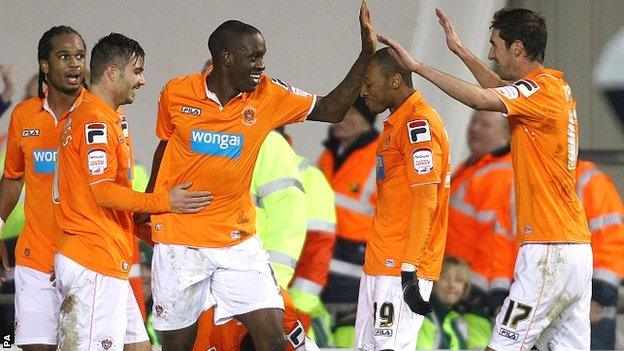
{"x": 418, "y": 131}
{"x": 527, "y": 87}
{"x": 95, "y": 133}
{"x": 30, "y": 132}
{"x": 191, "y": 110}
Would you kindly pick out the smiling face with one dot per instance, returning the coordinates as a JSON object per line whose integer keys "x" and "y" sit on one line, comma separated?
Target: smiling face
{"x": 376, "y": 89}
{"x": 502, "y": 55}
{"x": 129, "y": 81}
{"x": 64, "y": 69}
{"x": 245, "y": 62}
{"x": 451, "y": 286}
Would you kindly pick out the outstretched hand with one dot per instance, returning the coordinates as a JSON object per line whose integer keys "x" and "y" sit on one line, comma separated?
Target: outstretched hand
{"x": 369, "y": 44}
{"x": 452, "y": 37}
{"x": 399, "y": 53}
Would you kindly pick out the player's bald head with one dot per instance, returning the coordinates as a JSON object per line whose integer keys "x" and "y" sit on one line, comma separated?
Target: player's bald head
{"x": 389, "y": 66}
{"x": 228, "y": 34}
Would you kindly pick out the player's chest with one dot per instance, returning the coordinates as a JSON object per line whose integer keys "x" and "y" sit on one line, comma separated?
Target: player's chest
{"x": 39, "y": 144}
{"x": 209, "y": 129}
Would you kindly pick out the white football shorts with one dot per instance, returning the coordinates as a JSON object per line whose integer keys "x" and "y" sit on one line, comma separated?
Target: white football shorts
{"x": 37, "y": 305}
{"x": 549, "y": 299}
{"x": 187, "y": 281}
{"x": 384, "y": 320}
{"x": 98, "y": 312}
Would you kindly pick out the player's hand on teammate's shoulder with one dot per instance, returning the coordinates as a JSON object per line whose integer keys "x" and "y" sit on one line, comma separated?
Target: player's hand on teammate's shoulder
{"x": 452, "y": 37}
{"x": 369, "y": 44}
{"x": 412, "y": 296}
{"x": 186, "y": 201}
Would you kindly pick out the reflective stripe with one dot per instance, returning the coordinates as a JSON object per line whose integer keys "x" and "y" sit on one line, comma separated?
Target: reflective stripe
{"x": 135, "y": 271}
{"x": 585, "y": 177}
{"x": 479, "y": 280}
{"x": 273, "y": 186}
{"x": 604, "y": 221}
{"x": 307, "y": 286}
{"x": 278, "y": 184}
{"x": 500, "y": 283}
{"x": 459, "y": 203}
{"x": 345, "y": 268}
{"x": 607, "y": 276}
{"x": 256, "y": 201}
{"x": 321, "y": 225}
{"x": 458, "y": 200}
{"x": 282, "y": 258}
{"x": 353, "y": 205}
{"x": 361, "y": 206}
{"x": 609, "y": 312}
{"x": 303, "y": 165}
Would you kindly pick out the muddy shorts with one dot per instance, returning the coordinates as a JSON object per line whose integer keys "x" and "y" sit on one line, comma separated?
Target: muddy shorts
{"x": 548, "y": 302}
{"x": 98, "y": 312}
{"x": 187, "y": 281}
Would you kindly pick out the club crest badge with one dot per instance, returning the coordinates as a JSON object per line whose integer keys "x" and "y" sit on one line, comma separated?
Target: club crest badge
{"x": 249, "y": 115}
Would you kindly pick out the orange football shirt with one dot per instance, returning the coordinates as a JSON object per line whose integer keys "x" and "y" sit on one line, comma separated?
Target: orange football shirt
{"x": 544, "y": 146}
{"x": 94, "y": 148}
{"x": 413, "y": 150}
{"x": 31, "y": 154}
{"x": 216, "y": 148}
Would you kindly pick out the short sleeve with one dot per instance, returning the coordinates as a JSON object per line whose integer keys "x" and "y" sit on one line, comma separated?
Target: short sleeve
{"x": 14, "y": 159}
{"x": 526, "y": 98}
{"x": 164, "y": 125}
{"x": 97, "y": 149}
{"x": 293, "y": 104}
{"x": 422, "y": 152}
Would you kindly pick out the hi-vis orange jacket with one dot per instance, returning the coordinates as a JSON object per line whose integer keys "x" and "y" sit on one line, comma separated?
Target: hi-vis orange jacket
{"x": 482, "y": 194}
{"x": 604, "y": 210}
{"x": 352, "y": 177}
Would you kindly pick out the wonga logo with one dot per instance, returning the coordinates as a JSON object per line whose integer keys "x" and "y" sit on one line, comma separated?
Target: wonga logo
{"x": 216, "y": 144}
{"x": 44, "y": 160}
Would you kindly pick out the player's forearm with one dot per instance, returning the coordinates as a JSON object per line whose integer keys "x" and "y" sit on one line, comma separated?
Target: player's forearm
{"x": 482, "y": 73}
{"x": 114, "y": 196}
{"x": 334, "y": 106}
{"x": 424, "y": 200}
{"x": 158, "y": 154}
{"x": 10, "y": 190}
{"x": 469, "y": 94}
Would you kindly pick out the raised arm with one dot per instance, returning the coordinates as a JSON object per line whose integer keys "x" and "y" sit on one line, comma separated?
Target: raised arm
{"x": 334, "y": 106}
{"x": 486, "y": 77}
{"x": 469, "y": 94}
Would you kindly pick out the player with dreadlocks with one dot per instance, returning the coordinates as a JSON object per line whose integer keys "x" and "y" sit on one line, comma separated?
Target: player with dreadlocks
{"x": 34, "y": 132}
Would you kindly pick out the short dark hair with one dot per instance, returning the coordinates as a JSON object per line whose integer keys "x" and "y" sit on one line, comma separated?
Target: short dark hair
{"x": 389, "y": 66}
{"x": 524, "y": 25}
{"x": 226, "y": 34}
{"x": 114, "y": 49}
{"x": 45, "y": 47}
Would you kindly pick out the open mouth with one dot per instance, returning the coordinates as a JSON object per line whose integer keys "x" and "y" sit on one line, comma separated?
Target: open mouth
{"x": 73, "y": 78}
{"x": 255, "y": 78}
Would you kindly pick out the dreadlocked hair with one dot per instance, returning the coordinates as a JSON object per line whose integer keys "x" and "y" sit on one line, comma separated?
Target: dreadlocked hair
{"x": 44, "y": 48}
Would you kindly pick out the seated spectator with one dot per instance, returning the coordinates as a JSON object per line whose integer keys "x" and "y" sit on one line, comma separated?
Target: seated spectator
{"x": 450, "y": 326}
